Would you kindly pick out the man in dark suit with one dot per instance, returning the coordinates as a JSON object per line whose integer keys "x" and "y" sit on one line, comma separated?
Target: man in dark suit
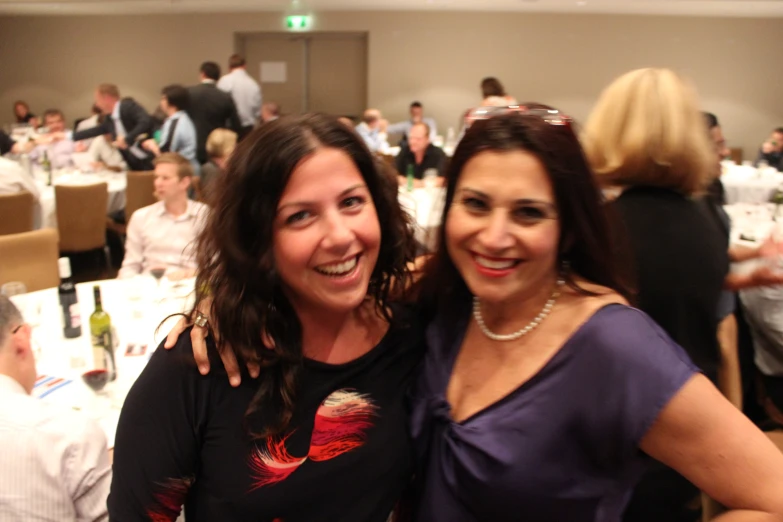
{"x": 126, "y": 122}
{"x": 211, "y": 108}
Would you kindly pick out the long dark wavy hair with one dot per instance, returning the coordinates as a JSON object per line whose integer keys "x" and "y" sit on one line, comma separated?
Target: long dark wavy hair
{"x": 236, "y": 264}
{"x": 585, "y": 237}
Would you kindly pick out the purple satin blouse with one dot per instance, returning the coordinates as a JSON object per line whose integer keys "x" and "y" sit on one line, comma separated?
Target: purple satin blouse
{"x": 561, "y": 447}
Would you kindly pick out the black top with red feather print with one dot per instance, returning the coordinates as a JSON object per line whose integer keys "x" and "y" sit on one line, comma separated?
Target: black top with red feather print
{"x": 346, "y": 456}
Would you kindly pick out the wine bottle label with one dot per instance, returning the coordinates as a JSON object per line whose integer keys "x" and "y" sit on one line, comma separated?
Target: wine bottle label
{"x": 99, "y": 358}
{"x": 102, "y": 339}
{"x": 76, "y": 316}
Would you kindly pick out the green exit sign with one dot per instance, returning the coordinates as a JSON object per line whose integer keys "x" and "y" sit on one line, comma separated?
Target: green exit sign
{"x": 299, "y": 22}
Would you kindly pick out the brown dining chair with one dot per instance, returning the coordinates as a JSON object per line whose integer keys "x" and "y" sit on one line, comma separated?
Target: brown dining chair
{"x": 16, "y": 212}
{"x": 139, "y": 191}
{"x": 30, "y": 258}
{"x": 81, "y": 218}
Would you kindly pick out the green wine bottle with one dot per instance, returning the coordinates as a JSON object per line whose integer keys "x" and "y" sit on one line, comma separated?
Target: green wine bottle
{"x": 47, "y": 166}
{"x": 100, "y": 332}
{"x": 409, "y": 178}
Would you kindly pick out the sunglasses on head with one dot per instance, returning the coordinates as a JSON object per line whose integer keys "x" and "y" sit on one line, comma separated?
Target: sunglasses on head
{"x": 551, "y": 116}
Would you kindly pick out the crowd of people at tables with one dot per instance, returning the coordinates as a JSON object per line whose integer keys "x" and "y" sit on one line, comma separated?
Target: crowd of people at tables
{"x": 556, "y": 357}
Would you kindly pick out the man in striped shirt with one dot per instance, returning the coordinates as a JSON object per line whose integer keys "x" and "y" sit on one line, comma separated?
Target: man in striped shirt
{"x": 54, "y": 462}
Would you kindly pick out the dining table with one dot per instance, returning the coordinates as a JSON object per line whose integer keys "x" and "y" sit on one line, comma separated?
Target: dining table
{"x": 425, "y": 206}
{"x": 748, "y": 184}
{"x": 46, "y": 213}
{"x": 142, "y": 312}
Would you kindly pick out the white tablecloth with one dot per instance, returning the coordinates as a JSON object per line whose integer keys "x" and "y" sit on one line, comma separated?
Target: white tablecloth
{"x": 135, "y": 313}
{"x": 48, "y": 213}
{"x": 746, "y": 184}
{"x": 425, "y": 205}
{"x": 751, "y": 224}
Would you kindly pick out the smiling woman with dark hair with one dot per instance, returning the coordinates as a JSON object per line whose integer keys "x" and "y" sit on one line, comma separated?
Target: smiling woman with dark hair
{"x": 303, "y": 243}
{"x": 543, "y": 394}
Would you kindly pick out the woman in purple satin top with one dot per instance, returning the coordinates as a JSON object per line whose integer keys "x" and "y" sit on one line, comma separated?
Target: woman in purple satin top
{"x": 543, "y": 395}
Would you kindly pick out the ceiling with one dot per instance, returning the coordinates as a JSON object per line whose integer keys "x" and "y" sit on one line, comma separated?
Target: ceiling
{"x": 731, "y": 8}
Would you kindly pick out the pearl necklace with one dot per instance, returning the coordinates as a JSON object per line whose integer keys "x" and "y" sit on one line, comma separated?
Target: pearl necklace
{"x": 524, "y": 331}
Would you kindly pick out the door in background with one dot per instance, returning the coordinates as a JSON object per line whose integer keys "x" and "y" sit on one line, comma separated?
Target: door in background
{"x": 277, "y": 47}
{"x": 337, "y": 74}
{"x": 325, "y": 72}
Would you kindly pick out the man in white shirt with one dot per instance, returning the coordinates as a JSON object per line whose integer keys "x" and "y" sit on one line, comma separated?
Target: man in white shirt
{"x": 417, "y": 116}
{"x": 58, "y": 152}
{"x": 245, "y": 91}
{"x": 162, "y": 235}
{"x": 104, "y": 155}
{"x": 54, "y": 461}
{"x": 372, "y": 129}
{"x": 13, "y": 179}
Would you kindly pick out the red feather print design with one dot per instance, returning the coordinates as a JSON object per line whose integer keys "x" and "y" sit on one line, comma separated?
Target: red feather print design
{"x": 169, "y": 500}
{"x": 272, "y": 463}
{"x": 341, "y": 424}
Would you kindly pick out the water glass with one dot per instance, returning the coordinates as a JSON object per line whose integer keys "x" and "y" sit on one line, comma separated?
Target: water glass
{"x": 13, "y": 288}
{"x": 430, "y": 178}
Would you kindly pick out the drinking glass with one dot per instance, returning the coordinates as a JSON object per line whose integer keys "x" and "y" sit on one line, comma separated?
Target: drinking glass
{"x": 96, "y": 379}
{"x": 13, "y": 288}
{"x": 430, "y": 178}
{"x": 157, "y": 272}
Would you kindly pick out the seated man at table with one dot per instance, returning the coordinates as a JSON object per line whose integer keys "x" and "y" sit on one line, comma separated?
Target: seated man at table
{"x": 104, "y": 155}
{"x": 417, "y": 116}
{"x": 421, "y": 154}
{"x": 13, "y": 179}
{"x": 772, "y": 150}
{"x": 54, "y": 460}
{"x": 58, "y": 151}
{"x": 162, "y": 234}
{"x": 372, "y": 129}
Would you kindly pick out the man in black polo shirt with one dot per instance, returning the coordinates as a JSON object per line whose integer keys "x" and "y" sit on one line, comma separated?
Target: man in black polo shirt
{"x": 421, "y": 154}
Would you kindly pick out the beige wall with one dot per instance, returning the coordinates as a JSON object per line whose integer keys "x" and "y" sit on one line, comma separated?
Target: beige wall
{"x": 438, "y": 58}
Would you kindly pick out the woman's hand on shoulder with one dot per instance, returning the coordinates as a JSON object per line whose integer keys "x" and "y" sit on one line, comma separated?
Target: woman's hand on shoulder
{"x": 198, "y": 339}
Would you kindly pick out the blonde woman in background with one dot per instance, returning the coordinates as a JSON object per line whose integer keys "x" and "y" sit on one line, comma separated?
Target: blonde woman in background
{"x": 220, "y": 145}
{"x": 646, "y": 136}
